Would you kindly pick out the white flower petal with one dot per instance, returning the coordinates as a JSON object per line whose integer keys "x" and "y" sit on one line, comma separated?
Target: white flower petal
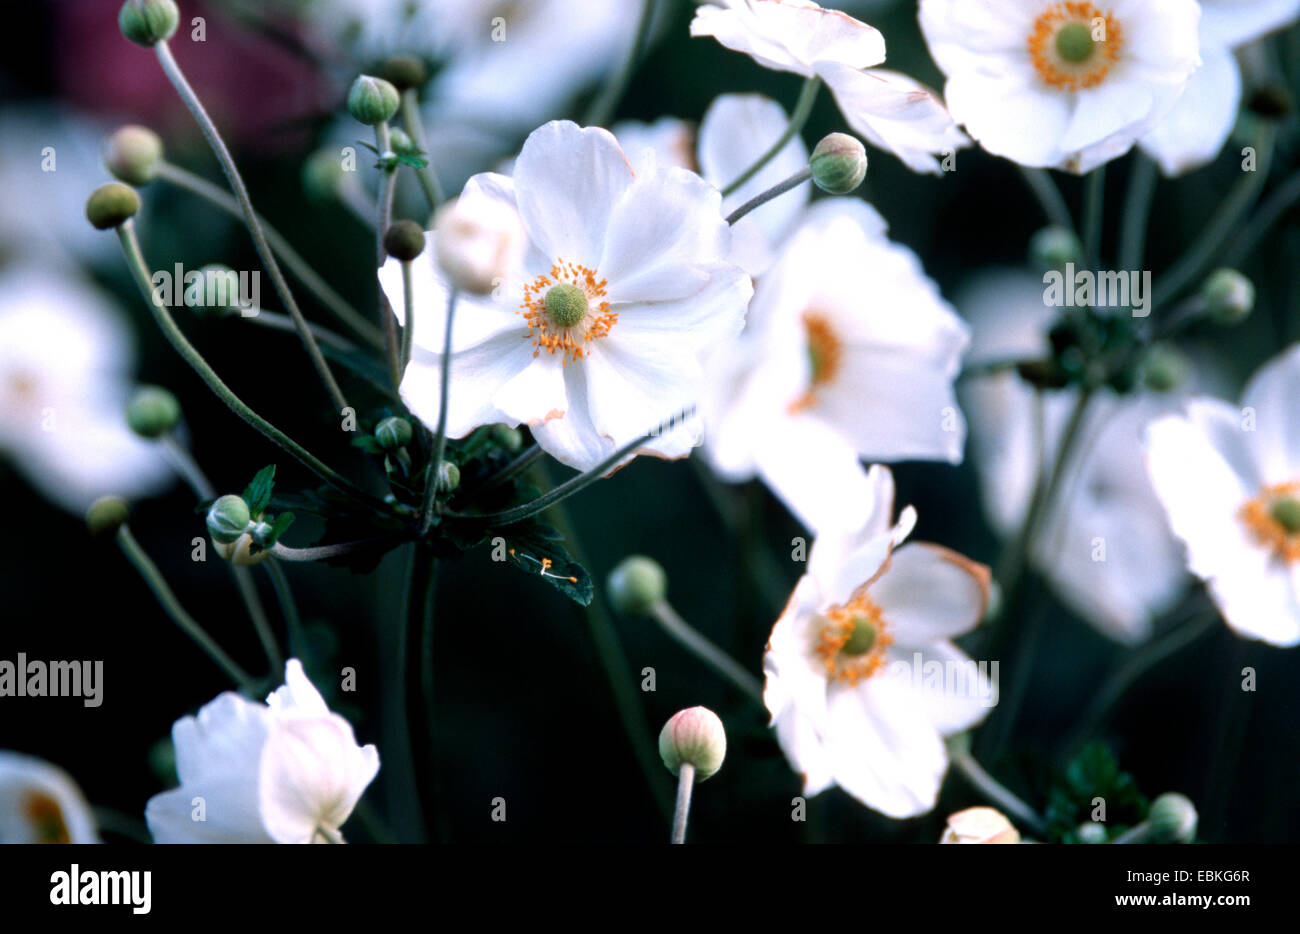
{"x": 929, "y": 594}
{"x": 948, "y": 686}
{"x": 1272, "y": 398}
{"x": 477, "y": 375}
{"x": 1194, "y": 131}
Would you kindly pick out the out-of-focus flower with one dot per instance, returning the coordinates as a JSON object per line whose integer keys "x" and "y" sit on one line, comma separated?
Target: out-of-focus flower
{"x": 1063, "y": 85}
{"x": 979, "y": 825}
{"x": 889, "y": 109}
{"x": 1229, "y": 479}
{"x": 829, "y": 370}
{"x": 862, "y": 680}
{"x": 287, "y": 771}
{"x": 1104, "y": 542}
{"x": 1194, "y": 131}
{"x": 479, "y": 240}
{"x": 598, "y": 337}
{"x": 65, "y": 357}
{"x": 39, "y": 803}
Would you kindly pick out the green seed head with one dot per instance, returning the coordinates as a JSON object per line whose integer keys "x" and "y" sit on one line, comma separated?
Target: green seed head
{"x": 106, "y": 515}
{"x": 1229, "y": 296}
{"x": 566, "y": 305}
{"x": 111, "y": 205}
{"x": 636, "y": 584}
{"x": 862, "y": 639}
{"x": 404, "y": 240}
{"x": 132, "y": 154}
{"x": 1053, "y": 247}
{"x": 152, "y": 412}
{"x": 404, "y": 72}
{"x": 146, "y": 22}
{"x": 838, "y": 163}
{"x": 1074, "y": 43}
{"x": 1286, "y": 513}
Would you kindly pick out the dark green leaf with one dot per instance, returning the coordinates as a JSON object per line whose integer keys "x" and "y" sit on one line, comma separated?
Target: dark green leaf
{"x": 258, "y": 493}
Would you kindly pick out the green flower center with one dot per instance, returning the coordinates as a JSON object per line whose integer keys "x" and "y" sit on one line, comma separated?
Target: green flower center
{"x": 1286, "y": 512}
{"x": 1074, "y": 43}
{"x": 566, "y": 305}
{"x": 863, "y": 638}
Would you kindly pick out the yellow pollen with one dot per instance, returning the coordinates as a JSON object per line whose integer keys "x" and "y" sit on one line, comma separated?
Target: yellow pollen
{"x": 1066, "y": 63}
{"x": 1260, "y": 518}
{"x": 841, "y": 639}
{"x": 47, "y": 817}
{"x": 825, "y": 355}
{"x": 570, "y": 341}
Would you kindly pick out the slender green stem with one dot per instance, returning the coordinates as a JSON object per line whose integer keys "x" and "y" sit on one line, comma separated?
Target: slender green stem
{"x": 1140, "y": 833}
{"x": 1137, "y": 212}
{"x": 203, "y": 489}
{"x": 582, "y": 480}
{"x": 992, "y": 789}
{"x": 603, "y": 107}
{"x": 1190, "y": 310}
{"x": 427, "y": 176}
{"x": 408, "y": 323}
{"x": 387, "y": 187}
{"x": 706, "y": 651}
{"x": 191, "y": 100}
{"x": 1241, "y": 198}
{"x": 682, "y": 807}
{"x": 418, "y": 615}
{"x": 167, "y": 600}
{"x": 294, "y": 262}
{"x": 802, "y": 108}
{"x": 1049, "y": 197}
{"x": 289, "y": 607}
{"x": 140, "y": 272}
{"x": 325, "y": 552}
{"x": 439, "y": 446}
{"x": 1277, "y": 204}
{"x": 1094, "y": 205}
{"x": 794, "y": 181}
{"x": 278, "y": 322}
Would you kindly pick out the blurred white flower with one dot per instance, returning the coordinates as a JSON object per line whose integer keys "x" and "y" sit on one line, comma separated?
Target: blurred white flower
{"x": 849, "y": 352}
{"x": 39, "y": 803}
{"x": 862, "y": 680}
{"x": 65, "y": 360}
{"x": 888, "y": 109}
{"x": 1194, "y": 131}
{"x": 979, "y": 825}
{"x": 287, "y": 771}
{"x": 1229, "y": 478}
{"x": 599, "y": 337}
{"x": 1063, "y": 85}
{"x": 1104, "y": 543}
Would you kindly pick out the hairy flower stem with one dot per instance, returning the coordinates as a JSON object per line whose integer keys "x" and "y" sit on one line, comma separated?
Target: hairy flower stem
{"x": 438, "y": 447}
{"x": 325, "y": 552}
{"x": 991, "y": 788}
{"x": 802, "y": 108}
{"x": 191, "y": 100}
{"x": 387, "y": 186}
{"x": 415, "y": 658}
{"x": 427, "y": 176}
{"x": 603, "y": 107}
{"x": 408, "y": 321}
{"x": 794, "y": 181}
{"x": 140, "y": 271}
{"x": 681, "y": 810}
{"x": 188, "y": 625}
{"x": 300, "y": 268}
{"x": 703, "y": 649}
{"x": 1048, "y": 196}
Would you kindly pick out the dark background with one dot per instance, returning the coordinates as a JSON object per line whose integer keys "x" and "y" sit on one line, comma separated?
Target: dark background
{"x": 524, "y": 709}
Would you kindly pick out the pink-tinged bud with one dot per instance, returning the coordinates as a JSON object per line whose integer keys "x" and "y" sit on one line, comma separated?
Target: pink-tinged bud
{"x": 478, "y": 241}
{"x": 696, "y": 737}
{"x": 979, "y": 825}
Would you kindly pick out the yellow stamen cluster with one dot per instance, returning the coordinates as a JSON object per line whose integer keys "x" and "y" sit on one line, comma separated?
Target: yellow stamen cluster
{"x": 546, "y": 332}
{"x": 1073, "y": 45}
{"x": 46, "y": 815}
{"x": 852, "y": 641}
{"x": 1264, "y": 516}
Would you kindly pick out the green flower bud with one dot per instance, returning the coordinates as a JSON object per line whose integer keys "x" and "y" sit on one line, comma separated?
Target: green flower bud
{"x": 694, "y": 737}
{"x": 1229, "y": 296}
{"x": 393, "y": 432}
{"x": 152, "y": 412}
{"x": 1172, "y": 819}
{"x": 1165, "y": 368}
{"x": 111, "y": 205}
{"x": 404, "y": 240}
{"x": 146, "y": 22}
{"x": 220, "y": 292}
{"x": 372, "y": 101}
{"x": 106, "y": 515}
{"x": 1053, "y": 247}
{"x": 401, "y": 143}
{"x": 636, "y": 585}
{"x": 132, "y": 154}
{"x": 507, "y": 438}
{"x": 448, "y": 477}
{"x": 838, "y": 163}
{"x": 228, "y": 519}
{"x": 404, "y": 71}
{"x": 321, "y": 175}
{"x": 1091, "y": 832}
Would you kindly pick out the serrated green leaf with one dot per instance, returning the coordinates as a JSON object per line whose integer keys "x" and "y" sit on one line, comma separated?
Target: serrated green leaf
{"x": 258, "y": 492}
{"x": 412, "y": 160}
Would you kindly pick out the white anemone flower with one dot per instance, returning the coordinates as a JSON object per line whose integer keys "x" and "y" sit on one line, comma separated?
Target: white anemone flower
{"x": 1229, "y": 478}
{"x": 1104, "y": 543}
{"x": 862, "y": 679}
{"x": 598, "y": 335}
{"x": 1194, "y": 131}
{"x": 889, "y": 109}
{"x": 1069, "y": 84}
{"x": 39, "y": 803}
{"x": 850, "y": 352}
{"x": 287, "y": 771}
{"x": 65, "y": 360}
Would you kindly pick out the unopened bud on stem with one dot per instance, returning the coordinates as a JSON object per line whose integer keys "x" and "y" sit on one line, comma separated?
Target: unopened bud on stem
{"x": 695, "y": 737}
{"x": 838, "y": 163}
